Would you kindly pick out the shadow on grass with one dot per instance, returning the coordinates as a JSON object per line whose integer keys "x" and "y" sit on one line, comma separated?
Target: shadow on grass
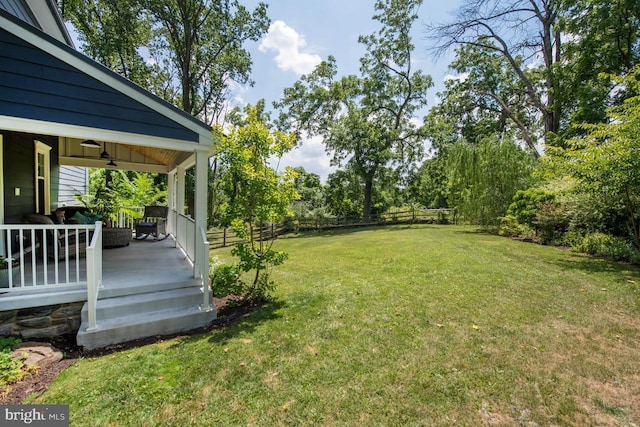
{"x": 242, "y": 320}
{"x": 592, "y": 264}
{"x": 333, "y": 232}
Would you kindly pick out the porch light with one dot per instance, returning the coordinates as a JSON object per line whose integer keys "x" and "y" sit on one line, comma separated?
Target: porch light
{"x": 104, "y": 154}
{"x": 90, "y": 143}
{"x": 112, "y": 163}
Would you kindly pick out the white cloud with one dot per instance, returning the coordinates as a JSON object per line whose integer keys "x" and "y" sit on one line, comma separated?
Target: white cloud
{"x": 310, "y": 155}
{"x": 288, "y": 43}
{"x": 460, "y": 77}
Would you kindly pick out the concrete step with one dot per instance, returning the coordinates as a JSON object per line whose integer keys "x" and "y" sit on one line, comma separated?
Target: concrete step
{"x": 143, "y": 325}
{"x": 120, "y": 306}
{"x": 110, "y": 292}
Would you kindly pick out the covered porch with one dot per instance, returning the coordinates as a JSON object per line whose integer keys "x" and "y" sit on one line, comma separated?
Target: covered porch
{"x": 55, "y": 103}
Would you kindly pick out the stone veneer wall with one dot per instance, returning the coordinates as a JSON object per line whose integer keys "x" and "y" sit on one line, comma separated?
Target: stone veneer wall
{"x": 42, "y": 322}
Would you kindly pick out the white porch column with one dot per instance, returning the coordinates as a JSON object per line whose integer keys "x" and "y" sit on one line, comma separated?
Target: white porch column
{"x": 171, "y": 202}
{"x": 180, "y": 186}
{"x": 200, "y": 211}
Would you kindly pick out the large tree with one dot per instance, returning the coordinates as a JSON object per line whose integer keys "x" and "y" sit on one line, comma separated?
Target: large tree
{"x": 482, "y": 179}
{"x": 604, "y": 38}
{"x": 524, "y": 33}
{"x": 487, "y": 99}
{"x": 187, "y": 51}
{"x": 366, "y": 120}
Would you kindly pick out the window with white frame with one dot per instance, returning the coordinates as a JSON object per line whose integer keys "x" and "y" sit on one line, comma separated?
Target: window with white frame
{"x": 43, "y": 171}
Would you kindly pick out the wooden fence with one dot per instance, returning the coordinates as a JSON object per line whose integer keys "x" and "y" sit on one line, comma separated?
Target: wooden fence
{"x": 222, "y": 237}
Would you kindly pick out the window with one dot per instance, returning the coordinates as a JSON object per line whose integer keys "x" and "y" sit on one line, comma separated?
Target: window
{"x": 42, "y": 169}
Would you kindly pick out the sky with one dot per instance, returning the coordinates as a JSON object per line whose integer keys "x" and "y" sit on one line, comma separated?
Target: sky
{"x": 305, "y": 32}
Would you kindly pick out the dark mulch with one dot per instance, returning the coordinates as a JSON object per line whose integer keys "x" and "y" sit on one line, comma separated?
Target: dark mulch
{"x": 41, "y": 377}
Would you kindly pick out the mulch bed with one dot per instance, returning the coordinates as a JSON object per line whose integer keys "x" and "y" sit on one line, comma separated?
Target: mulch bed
{"x": 41, "y": 377}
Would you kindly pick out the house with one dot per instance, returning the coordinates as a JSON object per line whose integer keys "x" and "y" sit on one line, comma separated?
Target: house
{"x": 54, "y": 104}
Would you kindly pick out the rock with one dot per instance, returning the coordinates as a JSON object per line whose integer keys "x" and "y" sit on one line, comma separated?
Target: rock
{"x": 70, "y": 310}
{"x": 50, "y": 332}
{"x": 36, "y": 353}
{"x": 35, "y": 322}
{"x": 6, "y": 316}
{"x": 37, "y": 311}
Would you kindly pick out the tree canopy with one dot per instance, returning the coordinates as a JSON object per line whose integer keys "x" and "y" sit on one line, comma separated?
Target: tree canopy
{"x": 367, "y": 120}
{"x": 187, "y": 51}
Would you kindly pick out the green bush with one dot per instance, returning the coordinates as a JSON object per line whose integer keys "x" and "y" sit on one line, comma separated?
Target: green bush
{"x": 225, "y": 279}
{"x": 10, "y": 370}
{"x": 551, "y": 222}
{"x": 525, "y": 204}
{"x": 605, "y": 245}
{"x": 510, "y": 227}
{"x": 573, "y": 238}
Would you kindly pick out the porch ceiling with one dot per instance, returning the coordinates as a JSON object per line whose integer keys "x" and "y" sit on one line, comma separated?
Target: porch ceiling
{"x": 126, "y": 156}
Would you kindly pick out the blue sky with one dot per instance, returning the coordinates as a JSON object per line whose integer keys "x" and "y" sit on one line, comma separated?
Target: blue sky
{"x": 305, "y": 32}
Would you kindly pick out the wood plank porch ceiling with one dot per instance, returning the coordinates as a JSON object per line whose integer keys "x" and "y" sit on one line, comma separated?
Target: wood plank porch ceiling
{"x": 160, "y": 155}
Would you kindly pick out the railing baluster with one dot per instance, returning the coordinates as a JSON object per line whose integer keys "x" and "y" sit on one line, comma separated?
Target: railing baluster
{"x": 45, "y": 258}
{"x": 66, "y": 252}
{"x": 9, "y": 256}
{"x": 33, "y": 257}
{"x": 77, "y": 245}
{"x": 22, "y": 267}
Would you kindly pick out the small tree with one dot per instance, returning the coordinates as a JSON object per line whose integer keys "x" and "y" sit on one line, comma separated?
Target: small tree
{"x": 607, "y": 160}
{"x": 260, "y": 196}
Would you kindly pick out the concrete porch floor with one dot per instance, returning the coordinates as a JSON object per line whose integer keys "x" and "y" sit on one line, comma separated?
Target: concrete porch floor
{"x": 144, "y": 262}
{"x": 125, "y": 270}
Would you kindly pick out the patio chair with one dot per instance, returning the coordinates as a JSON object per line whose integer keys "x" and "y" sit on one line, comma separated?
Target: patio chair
{"x": 153, "y": 222}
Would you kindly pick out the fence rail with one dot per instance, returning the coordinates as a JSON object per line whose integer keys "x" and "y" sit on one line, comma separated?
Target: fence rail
{"x": 223, "y": 237}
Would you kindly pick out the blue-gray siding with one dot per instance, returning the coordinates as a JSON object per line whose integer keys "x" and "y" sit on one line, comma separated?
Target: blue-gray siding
{"x": 36, "y": 85}
{"x": 19, "y": 161}
{"x": 73, "y": 180}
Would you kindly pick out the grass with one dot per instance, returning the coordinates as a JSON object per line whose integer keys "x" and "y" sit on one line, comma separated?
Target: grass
{"x": 405, "y": 325}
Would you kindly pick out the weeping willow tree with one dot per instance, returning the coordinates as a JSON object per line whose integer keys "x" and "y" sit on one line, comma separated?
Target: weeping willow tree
{"x": 483, "y": 178}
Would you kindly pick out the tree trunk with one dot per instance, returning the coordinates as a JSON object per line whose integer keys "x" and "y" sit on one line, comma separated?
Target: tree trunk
{"x": 368, "y": 189}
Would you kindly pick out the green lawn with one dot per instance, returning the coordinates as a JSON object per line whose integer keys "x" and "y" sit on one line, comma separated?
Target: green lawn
{"x": 405, "y": 325}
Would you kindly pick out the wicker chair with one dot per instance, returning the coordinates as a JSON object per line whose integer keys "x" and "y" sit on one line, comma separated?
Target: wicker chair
{"x": 153, "y": 222}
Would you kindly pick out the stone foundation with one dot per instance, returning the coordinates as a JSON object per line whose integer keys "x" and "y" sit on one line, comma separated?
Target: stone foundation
{"x": 42, "y": 322}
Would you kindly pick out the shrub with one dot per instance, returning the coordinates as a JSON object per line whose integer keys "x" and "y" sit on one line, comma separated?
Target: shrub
{"x": 10, "y": 370}
{"x": 605, "y": 245}
{"x": 525, "y": 204}
{"x": 225, "y": 279}
{"x": 510, "y": 227}
{"x": 551, "y": 222}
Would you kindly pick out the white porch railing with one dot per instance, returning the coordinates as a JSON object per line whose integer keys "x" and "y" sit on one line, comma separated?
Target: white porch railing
{"x": 127, "y": 216}
{"x": 186, "y": 235}
{"x": 45, "y": 255}
{"x": 94, "y": 275}
{"x": 192, "y": 244}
